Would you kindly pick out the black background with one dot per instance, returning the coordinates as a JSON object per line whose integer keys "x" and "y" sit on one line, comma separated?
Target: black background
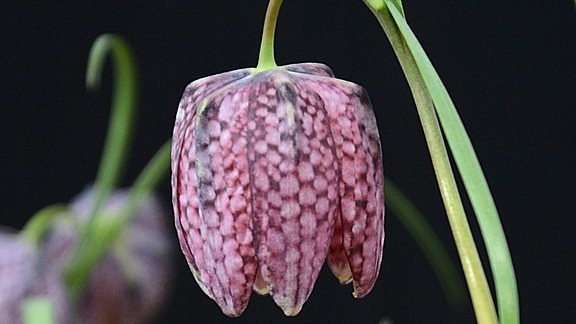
{"x": 509, "y": 66}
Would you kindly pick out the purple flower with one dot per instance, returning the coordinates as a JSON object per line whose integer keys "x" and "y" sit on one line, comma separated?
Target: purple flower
{"x": 128, "y": 285}
{"x": 272, "y": 173}
{"x": 23, "y": 275}
{"x": 131, "y": 281}
{"x": 17, "y": 268}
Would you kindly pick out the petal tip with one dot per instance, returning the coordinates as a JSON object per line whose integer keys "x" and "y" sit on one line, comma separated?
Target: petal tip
{"x": 196, "y": 275}
{"x": 289, "y": 306}
{"x": 292, "y": 310}
{"x": 231, "y": 313}
{"x": 360, "y": 293}
{"x": 344, "y": 280}
{"x": 233, "y": 310}
{"x": 262, "y": 291}
{"x": 260, "y": 286}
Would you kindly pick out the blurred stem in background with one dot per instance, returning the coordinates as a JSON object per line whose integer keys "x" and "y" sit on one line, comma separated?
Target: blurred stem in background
{"x": 430, "y": 244}
{"x": 116, "y": 147}
{"x": 97, "y": 239}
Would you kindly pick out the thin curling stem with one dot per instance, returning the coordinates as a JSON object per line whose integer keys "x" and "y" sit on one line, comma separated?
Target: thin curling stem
{"x": 113, "y": 159}
{"x": 266, "y": 59}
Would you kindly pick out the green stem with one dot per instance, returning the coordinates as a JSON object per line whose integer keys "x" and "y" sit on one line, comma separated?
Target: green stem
{"x": 154, "y": 172}
{"x": 41, "y": 222}
{"x": 471, "y": 264}
{"x": 123, "y": 109}
{"x": 107, "y": 231}
{"x": 266, "y": 59}
{"x": 117, "y": 141}
{"x": 472, "y": 176}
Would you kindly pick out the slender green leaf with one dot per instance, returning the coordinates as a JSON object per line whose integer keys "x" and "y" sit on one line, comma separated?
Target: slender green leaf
{"x": 469, "y": 259}
{"x": 411, "y": 218}
{"x": 472, "y": 176}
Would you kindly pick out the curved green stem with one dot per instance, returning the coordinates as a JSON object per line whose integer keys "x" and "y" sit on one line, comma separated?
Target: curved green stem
{"x": 471, "y": 264}
{"x": 108, "y": 230}
{"x": 123, "y": 110}
{"x": 38, "y": 224}
{"x": 266, "y": 59}
{"x": 116, "y": 147}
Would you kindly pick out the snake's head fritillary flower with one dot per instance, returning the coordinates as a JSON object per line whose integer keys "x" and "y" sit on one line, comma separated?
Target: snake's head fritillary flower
{"x": 128, "y": 285}
{"x": 17, "y": 267}
{"x": 22, "y": 270}
{"x": 274, "y": 172}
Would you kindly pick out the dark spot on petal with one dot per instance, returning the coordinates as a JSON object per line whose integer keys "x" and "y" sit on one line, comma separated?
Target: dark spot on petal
{"x": 361, "y": 204}
{"x": 286, "y": 92}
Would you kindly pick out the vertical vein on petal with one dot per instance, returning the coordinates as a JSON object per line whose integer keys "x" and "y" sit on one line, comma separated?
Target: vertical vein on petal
{"x": 355, "y": 132}
{"x": 224, "y": 196}
{"x": 183, "y": 179}
{"x": 293, "y": 169}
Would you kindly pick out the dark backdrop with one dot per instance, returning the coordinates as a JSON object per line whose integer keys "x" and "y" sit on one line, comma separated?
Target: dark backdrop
{"x": 509, "y": 66}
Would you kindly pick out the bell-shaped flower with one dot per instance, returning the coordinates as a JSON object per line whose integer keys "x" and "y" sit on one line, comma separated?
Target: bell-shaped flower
{"x": 273, "y": 172}
{"x": 128, "y": 285}
{"x": 23, "y": 276}
{"x": 18, "y": 260}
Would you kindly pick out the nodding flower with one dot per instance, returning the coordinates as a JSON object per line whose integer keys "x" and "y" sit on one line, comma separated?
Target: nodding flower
{"x": 128, "y": 285}
{"x": 273, "y": 172}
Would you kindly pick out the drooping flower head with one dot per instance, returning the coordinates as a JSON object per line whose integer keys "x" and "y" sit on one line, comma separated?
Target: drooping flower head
{"x": 128, "y": 285}
{"x": 131, "y": 282}
{"x": 272, "y": 173}
{"x": 274, "y": 170}
{"x": 17, "y": 263}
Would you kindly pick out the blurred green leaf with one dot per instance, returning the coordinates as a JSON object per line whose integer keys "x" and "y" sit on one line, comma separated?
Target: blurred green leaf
{"x": 411, "y": 218}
